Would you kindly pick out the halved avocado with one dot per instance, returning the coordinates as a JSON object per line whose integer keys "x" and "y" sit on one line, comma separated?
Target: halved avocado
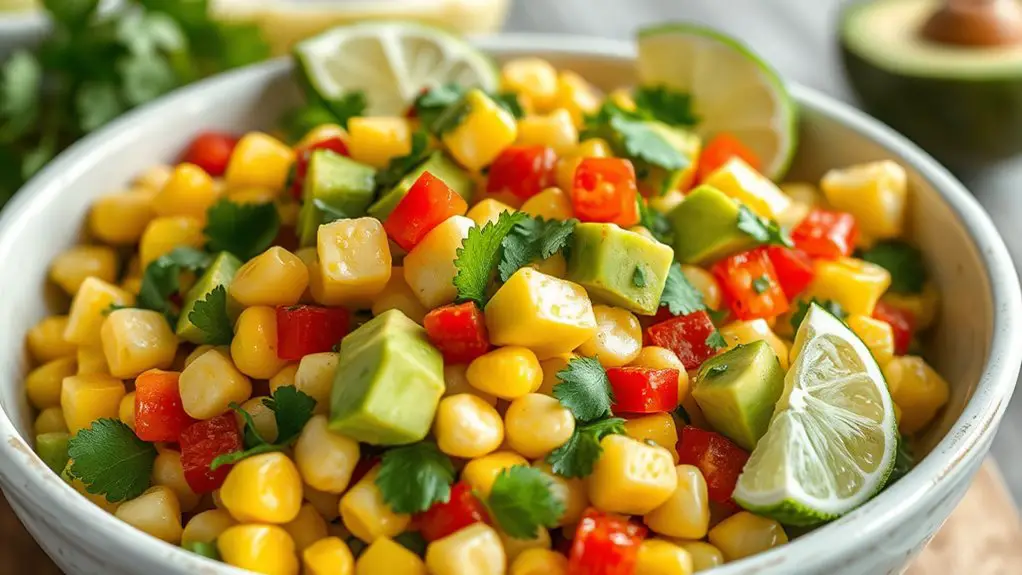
{"x": 962, "y": 103}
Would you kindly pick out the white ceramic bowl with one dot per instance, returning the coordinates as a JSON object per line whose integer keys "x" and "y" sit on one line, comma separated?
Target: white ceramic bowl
{"x": 975, "y": 346}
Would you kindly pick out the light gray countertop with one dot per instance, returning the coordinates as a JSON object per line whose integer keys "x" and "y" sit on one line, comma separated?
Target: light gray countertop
{"x": 798, "y": 37}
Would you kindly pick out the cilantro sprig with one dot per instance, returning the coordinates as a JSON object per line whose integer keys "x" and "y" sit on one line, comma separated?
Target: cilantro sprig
{"x": 633, "y": 134}
{"x": 679, "y": 296}
{"x": 764, "y": 231}
{"x": 210, "y": 316}
{"x": 291, "y": 408}
{"x": 577, "y": 457}
{"x": 903, "y": 261}
{"x": 584, "y": 389}
{"x": 414, "y": 477}
{"x": 401, "y": 166}
{"x": 802, "y": 308}
{"x": 162, "y": 279}
{"x": 533, "y": 239}
{"x": 666, "y": 105}
{"x": 715, "y": 340}
{"x": 480, "y": 254}
{"x": 245, "y": 230}
{"x": 522, "y": 500}
{"x": 655, "y": 222}
{"x": 111, "y": 460}
{"x": 431, "y": 104}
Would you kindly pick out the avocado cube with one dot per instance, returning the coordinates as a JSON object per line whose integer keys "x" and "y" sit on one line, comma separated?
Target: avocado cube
{"x": 738, "y": 389}
{"x": 388, "y": 382}
{"x": 706, "y": 227}
{"x": 440, "y": 166}
{"x": 659, "y": 180}
{"x": 620, "y": 267}
{"x": 340, "y": 184}
{"x": 220, "y": 273}
{"x": 52, "y": 449}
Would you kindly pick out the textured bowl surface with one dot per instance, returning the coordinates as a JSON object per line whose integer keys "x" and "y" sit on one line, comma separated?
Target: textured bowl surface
{"x": 974, "y": 347}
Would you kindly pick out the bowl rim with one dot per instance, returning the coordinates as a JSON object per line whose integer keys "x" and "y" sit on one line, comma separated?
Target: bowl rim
{"x": 956, "y": 452}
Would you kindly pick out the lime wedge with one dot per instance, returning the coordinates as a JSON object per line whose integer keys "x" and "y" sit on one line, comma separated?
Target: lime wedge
{"x": 732, "y": 89}
{"x": 390, "y": 62}
{"x": 833, "y": 438}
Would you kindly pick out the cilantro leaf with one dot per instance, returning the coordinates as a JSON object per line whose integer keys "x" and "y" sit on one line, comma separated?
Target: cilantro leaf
{"x": 414, "y": 477}
{"x": 97, "y": 103}
{"x": 71, "y": 12}
{"x": 291, "y": 408}
{"x": 577, "y": 457}
{"x": 401, "y": 166}
{"x": 480, "y": 254}
{"x": 412, "y": 541}
{"x": 666, "y": 105}
{"x": 584, "y": 389}
{"x": 161, "y": 278}
{"x": 680, "y": 297}
{"x": 245, "y": 230}
{"x": 761, "y": 284}
{"x": 639, "y": 277}
{"x": 349, "y": 105}
{"x": 802, "y": 308}
{"x": 715, "y": 340}
{"x": 656, "y": 223}
{"x": 20, "y": 85}
{"x": 210, "y": 316}
{"x": 903, "y": 261}
{"x": 509, "y": 101}
{"x": 533, "y": 239}
{"x": 431, "y": 103}
{"x": 300, "y": 121}
{"x": 451, "y": 117}
{"x": 145, "y": 76}
{"x": 642, "y": 142}
{"x": 522, "y": 500}
{"x": 111, "y": 460}
{"x": 764, "y": 231}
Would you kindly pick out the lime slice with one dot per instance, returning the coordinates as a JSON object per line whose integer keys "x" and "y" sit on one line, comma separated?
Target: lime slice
{"x": 732, "y": 89}
{"x": 391, "y": 62}
{"x": 833, "y": 438}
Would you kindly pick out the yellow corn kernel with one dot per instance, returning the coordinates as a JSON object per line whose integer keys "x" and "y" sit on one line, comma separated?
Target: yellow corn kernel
{"x": 686, "y": 514}
{"x": 744, "y": 332}
{"x": 97, "y": 500}
{"x": 274, "y": 277}
{"x": 555, "y": 130}
{"x": 742, "y": 182}
{"x": 666, "y": 202}
{"x": 644, "y": 232}
{"x": 622, "y": 98}
{"x": 917, "y": 389}
{"x": 325, "y": 459}
{"x": 536, "y": 424}
{"x": 367, "y": 515}
{"x": 92, "y": 359}
{"x": 576, "y": 95}
{"x": 705, "y": 283}
{"x": 126, "y": 412}
{"x": 205, "y": 527}
{"x": 466, "y": 426}
{"x": 164, "y": 234}
{"x": 354, "y": 262}
{"x": 43, "y": 384}
{"x": 254, "y": 347}
{"x": 573, "y": 493}
{"x": 328, "y": 556}
{"x": 120, "y": 218}
{"x": 659, "y": 557}
{"x": 618, "y": 337}
{"x": 656, "y": 427}
{"x": 264, "y": 488}
{"x": 326, "y": 504}
{"x": 481, "y": 472}
{"x": 287, "y": 211}
{"x": 377, "y": 140}
{"x": 266, "y": 549}
{"x": 514, "y": 547}
{"x": 488, "y": 210}
{"x": 307, "y": 528}
{"x": 922, "y": 306}
{"x": 429, "y": 268}
{"x": 253, "y": 195}
{"x": 631, "y": 477}
{"x": 132, "y": 285}
{"x": 210, "y": 383}
{"x": 506, "y": 372}
{"x": 662, "y": 358}
{"x": 482, "y": 133}
{"x": 384, "y": 555}
{"x": 875, "y": 193}
{"x": 86, "y": 398}
{"x": 539, "y": 562}
{"x": 49, "y": 420}
{"x": 550, "y": 369}
{"x": 136, "y": 340}
{"x": 322, "y": 133}
{"x": 259, "y": 160}
{"x": 744, "y": 534}
{"x": 263, "y": 419}
{"x": 548, "y": 315}
{"x": 854, "y": 284}
{"x": 155, "y": 512}
{"x": 553, "y": 266}
{"x": 397, "y": 294}
{"x": 704, "y": 556}
{"x": 167, "y": 471}
{"x": 877, "y": 335}
{"x": 152, "y": 179}
{"x": 474, "y": 550}
{"x": 455, "y": 382}
{"x": 71, "y": 267}
{"x": 551, "y": 204}
{"x": 284, "y": 377}
{"x": 45, "y": 340}
{"x": 566, "y": 165}
{"x": 534, "y": 78}
{"x": 315, "y": 377}
{"x": 188, "y": 192}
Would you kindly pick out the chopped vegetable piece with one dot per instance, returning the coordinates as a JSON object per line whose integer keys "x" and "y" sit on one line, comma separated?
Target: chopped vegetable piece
{"x": 291, "y": 409}
{"x": 584, "y": 389}
{"x": 720, "y": 461}
{"x": 533, "y": 239}
{"x": 687, "y": 336}
{"x": 306, "y": 329}
{"x": 219, "y": 274}
{"x": 304, "y": 155}
{"x": 666, "y": 105}
{"x": 793, "y": 267}
{"x": 211, "y": 319}
{"x": 721, "y": 148}
{"x": 902, "y": 324}
{"x": 826, "y": 234}
{"x": 480, "y": 254}
{"x": 461, "y": 510}
{"x": 413, "y": 478}
{"x": 159, "y": 415}
{"x": 523, "y": 171}
{"x": 334, "y": 187}
{"x": 605, "y": 544}
{"x": 110, "y": 460}
{"x": 764, "y": 231}
{"x": 426, "y": 205}
{"x": 680, "y": 297}
{"x": 738, "y": 179}
{"x": 52, "y": 449}
{"x": 522, "y": 500}
{"x": 579, "y": 455}
{"x": 737, "y": 275}
{"x": 161, "y": 279}
{"x": 903, "y": 261}
{"x": 437, "y": 164}
{"x": 706, "y": 227}
{"x": 211, "y": 151}
{"x": 458, "y": 331}
{"x": 605, "y": 190}
{"x": 643, "y": 389}
{"x": 201, "y": 443}
{"x": 245, "y": 230}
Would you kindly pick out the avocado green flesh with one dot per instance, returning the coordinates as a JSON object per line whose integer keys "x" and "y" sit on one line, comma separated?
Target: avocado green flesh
{"x": 52, "y": 449}
{"x": 440, "y": 166}
{"x": 220, "y": 273}
{"x": 706, "y": 227}
{"x": 339, "y": 182}
{"x": 388, "y": 382}
{"x": 619, "y": 267}
{"x": 737, "y": 391}
{"x": 661, "y": 180}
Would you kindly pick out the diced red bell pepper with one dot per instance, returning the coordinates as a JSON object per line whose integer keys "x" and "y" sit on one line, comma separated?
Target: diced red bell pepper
{"x": 304, "y": 329}
{"x": 826, "y": 234}
{"x": 750, "y": 285}
{"x": 302, "y": 155}
{"x": 458, "y": 331}
{"x": 211, "y": 151}
{"x": 794, "y": 269}
{"x": 719, "y": 150}
{"x": 204, "y": 441}
{"x": 902, "y": 323}
{"x": 159, "y": 415}
{"x": 523, "y": 171}
{"x": 643, "y": 389}
{"x": 605, "y": 190}
{"x": 686, "y": 336}
{"x": 605, "y": 544}
{"x": 426, "y": 205}
{"x": 461, "y": 510}
{"x": 717, "y": 457}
